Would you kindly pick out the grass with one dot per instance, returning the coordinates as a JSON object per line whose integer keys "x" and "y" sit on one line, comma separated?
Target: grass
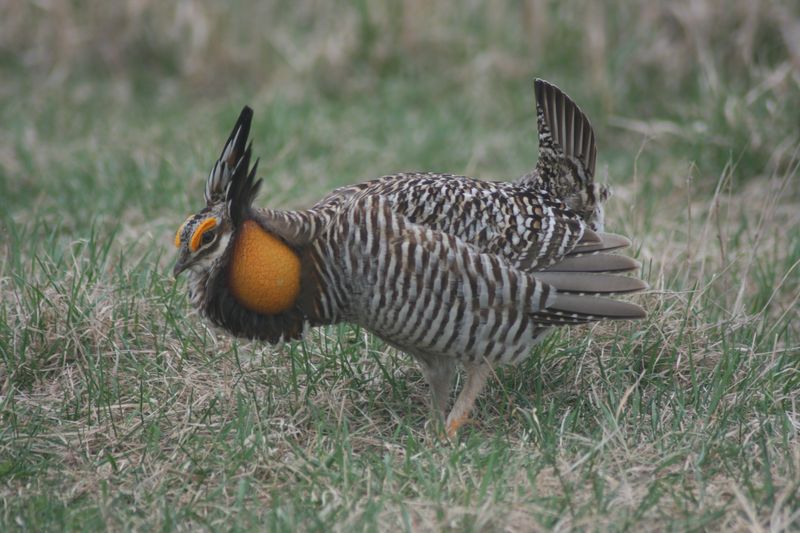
{"x": 121, "y": 409}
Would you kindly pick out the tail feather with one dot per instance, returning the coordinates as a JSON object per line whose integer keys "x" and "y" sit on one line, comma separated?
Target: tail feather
{"x": 567, "y": 154}
{"x": 607, "y": 242}
{"x": 590, "y": 308}
{"x": 591, "y": 283}
{"x": 566, "y": 169}
{"x": 564, "y": 133}
{"x": 585, "y": 273}
{"x": 595, "y": 262}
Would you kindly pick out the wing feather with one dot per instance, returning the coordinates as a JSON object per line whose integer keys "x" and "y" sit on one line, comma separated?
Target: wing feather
{"x": 456, "y": 268}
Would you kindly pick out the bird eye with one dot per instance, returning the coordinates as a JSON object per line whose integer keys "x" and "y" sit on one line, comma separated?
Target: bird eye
{"x": 204, "y": 234}
{"x": 208, "y": 237}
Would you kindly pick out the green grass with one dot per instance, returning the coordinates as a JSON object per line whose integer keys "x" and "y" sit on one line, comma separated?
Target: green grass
{"x": 121, "y": 409}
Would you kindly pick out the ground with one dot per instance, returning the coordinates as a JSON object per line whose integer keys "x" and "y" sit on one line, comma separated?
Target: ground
{"x": 120, "y": 408}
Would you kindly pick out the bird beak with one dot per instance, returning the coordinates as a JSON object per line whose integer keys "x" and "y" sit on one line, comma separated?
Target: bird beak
{"x": 180, "y": 266}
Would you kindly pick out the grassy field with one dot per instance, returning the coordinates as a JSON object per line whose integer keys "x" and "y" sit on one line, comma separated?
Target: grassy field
{"x": 121, "y": 409}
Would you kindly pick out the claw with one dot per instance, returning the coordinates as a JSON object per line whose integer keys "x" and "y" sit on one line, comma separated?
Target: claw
{"x": 454, "y": 425}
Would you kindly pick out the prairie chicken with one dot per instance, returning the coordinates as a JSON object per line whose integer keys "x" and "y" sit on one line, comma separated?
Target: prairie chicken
{"x": 449, "y": 269}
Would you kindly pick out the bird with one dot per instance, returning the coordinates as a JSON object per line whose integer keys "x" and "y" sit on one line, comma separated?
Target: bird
{"x": 451, "y": 270}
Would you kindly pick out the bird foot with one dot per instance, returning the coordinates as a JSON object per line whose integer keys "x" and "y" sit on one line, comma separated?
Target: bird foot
{"x": 454, "y": 425}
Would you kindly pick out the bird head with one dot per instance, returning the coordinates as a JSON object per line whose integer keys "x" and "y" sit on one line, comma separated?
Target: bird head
{"x": 203, "y": 238}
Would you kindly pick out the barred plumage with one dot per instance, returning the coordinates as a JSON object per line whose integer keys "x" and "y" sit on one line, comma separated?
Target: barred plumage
{"x": 447, "y": 268}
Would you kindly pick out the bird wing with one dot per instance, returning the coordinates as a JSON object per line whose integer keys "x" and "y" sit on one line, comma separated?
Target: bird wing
{"x": 424, "y": 288}
{"x": 530, "y": 229}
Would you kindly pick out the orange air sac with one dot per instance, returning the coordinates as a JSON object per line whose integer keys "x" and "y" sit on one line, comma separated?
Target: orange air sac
{"x": 264, "y": 274}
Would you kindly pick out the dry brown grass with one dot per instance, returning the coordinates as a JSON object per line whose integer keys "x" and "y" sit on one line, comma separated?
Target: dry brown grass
{"x": 121, "y": 409}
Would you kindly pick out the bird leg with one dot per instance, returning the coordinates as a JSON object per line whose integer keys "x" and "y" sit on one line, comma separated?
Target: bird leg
{"x": 438, "y": 373}
{"x": 477, "y": 374}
